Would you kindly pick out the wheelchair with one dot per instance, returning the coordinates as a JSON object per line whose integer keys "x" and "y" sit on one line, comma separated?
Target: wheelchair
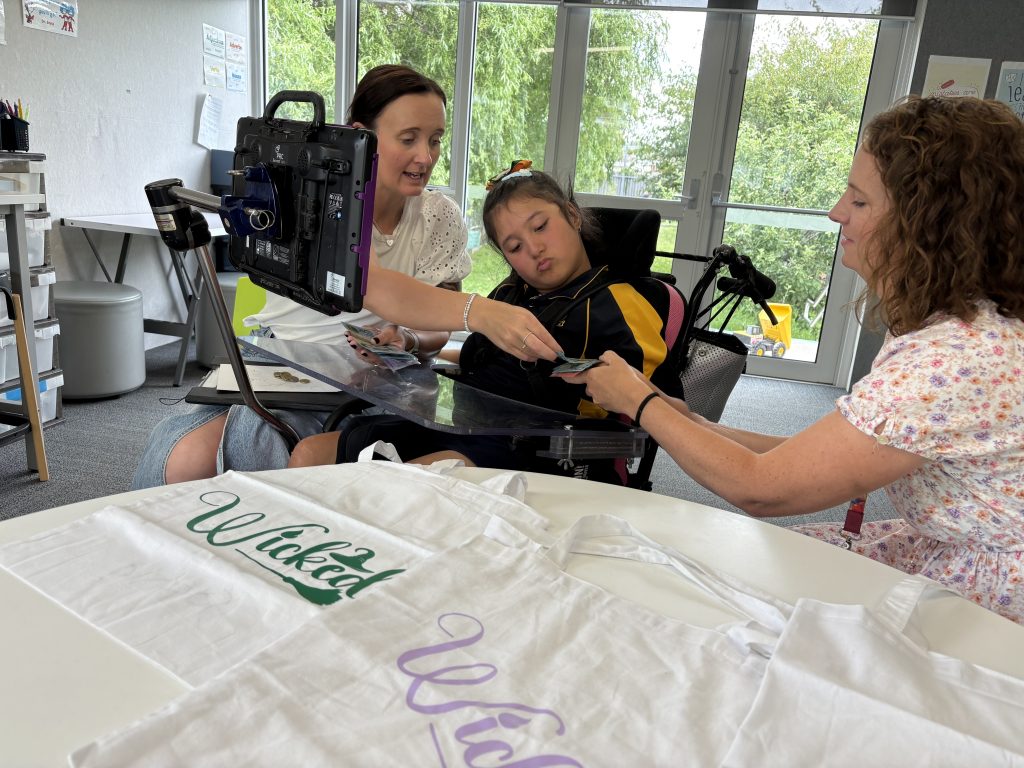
{"x": 708, "y": 359}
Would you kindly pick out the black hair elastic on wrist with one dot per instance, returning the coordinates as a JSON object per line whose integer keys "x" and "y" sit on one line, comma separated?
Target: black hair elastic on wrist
{"x": 643, "y": 404}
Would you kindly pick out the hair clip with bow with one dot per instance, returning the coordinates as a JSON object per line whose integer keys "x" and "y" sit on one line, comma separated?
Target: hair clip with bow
{"x": 518, "y": 168}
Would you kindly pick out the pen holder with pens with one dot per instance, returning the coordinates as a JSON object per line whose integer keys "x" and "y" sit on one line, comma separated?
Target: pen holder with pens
{"x": 14, "y": 135}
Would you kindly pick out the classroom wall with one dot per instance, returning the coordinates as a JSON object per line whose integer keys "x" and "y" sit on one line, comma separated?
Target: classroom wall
{"x": 115, "y": 108}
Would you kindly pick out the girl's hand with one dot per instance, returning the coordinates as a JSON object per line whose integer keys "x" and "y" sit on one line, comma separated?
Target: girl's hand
{"x": 615, "y": 385}
{"x": 390, "y": 335}
{"x": 513, "y": 329}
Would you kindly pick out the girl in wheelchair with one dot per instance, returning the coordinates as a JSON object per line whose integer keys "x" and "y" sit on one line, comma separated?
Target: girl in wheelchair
{"x": 541, "y": 231}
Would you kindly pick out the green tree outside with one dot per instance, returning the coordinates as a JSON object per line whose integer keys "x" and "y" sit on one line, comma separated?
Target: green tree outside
{"x": 801, "y": 112}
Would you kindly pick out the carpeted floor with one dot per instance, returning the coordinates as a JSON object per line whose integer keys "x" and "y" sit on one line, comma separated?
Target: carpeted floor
{"x": 93, "y": 452}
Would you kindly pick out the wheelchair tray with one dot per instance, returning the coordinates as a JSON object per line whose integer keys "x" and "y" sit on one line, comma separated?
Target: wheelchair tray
{"x": 435, "y": 401}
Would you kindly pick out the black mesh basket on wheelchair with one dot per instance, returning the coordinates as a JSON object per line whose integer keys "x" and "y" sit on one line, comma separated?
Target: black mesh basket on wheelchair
{"x": 713, "y": 358}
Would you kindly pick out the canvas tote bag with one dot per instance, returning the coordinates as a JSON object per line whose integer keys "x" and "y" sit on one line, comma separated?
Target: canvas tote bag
{"x": 853, "y": 686}
{"x": 204, "y": 574}
{"x": 488, "y": 655}
{"x": 849, "y": 685}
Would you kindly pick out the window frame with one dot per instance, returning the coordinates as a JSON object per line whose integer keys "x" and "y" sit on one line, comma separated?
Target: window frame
{"x": 716, "y": 115}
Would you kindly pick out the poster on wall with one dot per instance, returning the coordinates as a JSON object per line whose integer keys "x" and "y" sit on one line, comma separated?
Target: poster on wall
{"x": 956, "y": 76}
{"x": 213, "y": 41}
{"x": 213, "y": 71}
{"x": 58, "y": 16}
{"x": 1010, "y": 86}
{"x": 235, "y": 46}
{"x": 237, "y": 77}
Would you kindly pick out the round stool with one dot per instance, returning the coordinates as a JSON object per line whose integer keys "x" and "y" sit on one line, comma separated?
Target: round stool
{"x": 102, "y": 349}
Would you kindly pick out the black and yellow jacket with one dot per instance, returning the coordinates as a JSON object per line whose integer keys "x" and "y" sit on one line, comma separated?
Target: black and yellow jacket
{"x": 627, "y": 318}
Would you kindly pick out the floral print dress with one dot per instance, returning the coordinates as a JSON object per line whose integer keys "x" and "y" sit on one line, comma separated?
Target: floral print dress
{"x": 953, "y": 393}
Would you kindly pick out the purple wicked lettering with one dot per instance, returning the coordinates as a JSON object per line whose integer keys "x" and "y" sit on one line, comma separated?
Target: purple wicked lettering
{"x": 514, "y": 716}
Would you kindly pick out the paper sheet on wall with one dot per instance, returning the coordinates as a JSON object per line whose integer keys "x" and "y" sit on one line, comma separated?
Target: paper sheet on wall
{"x": 1010, "y": 86}
{"x": 271, "y": 378}
{"x": 956, "y": 76}
{"x": 234, "y": 47}
{"x": 57, "y": 16}
{"x": 237, "y": 76}
{"x": 213, "y": 71}
{"x": 213, "y": 41}
{"x": 208, "y": 134}
{"x": 3, "y": 31}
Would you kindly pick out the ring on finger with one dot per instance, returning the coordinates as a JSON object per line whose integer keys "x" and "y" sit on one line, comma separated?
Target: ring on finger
{"x": 526, "y": 339}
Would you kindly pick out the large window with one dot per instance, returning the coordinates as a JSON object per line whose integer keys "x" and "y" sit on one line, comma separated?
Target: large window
{"x": 801, "y": 112}
{"x": 300, "y": 52}
{"x": 420, "y": 34}
{"x": 735, "y": 120}
{"x": 641, "y": 75}
{"x": 515, "y": 47}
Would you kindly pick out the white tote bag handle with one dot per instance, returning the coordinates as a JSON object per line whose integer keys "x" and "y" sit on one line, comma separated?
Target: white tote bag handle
{"x": 610, "y": 536}
{"x": 592, "y": 535}
{"x": 387, "y": 450}
{"x": 898, "y": 608}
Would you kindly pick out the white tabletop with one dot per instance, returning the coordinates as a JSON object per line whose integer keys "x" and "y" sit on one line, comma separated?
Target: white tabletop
{"x": 65, "y": 682}
{"x": 134, "y": 223}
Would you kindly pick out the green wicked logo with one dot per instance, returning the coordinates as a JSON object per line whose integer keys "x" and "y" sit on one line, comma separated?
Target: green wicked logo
{"x": 339, "y": 566}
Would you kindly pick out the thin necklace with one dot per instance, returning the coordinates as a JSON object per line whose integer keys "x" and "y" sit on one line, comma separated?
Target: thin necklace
{"x": 389, "y": 239}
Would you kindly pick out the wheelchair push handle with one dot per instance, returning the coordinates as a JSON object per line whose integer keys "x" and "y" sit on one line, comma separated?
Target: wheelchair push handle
{"x": 305, "y": 97}
{"x": 745, "y": 279}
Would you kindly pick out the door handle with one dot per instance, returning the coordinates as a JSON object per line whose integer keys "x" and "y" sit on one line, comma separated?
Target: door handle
{"x": 691, "y": 199}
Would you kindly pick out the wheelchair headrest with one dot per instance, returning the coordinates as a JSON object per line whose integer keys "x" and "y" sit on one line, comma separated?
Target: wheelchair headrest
{"x": 627, "y": 241}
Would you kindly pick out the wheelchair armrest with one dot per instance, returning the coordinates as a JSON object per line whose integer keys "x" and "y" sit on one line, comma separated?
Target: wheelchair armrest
{"x": 350, "y": 405}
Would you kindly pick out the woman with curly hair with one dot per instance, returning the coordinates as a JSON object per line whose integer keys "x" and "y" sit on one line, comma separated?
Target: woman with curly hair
{"x": 933, "y": 220}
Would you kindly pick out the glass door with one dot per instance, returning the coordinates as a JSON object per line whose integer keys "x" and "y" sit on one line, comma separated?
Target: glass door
{"x": 742, "y": 133}
{"x": 800, "y": 111}
{"x": 735, "y": 120}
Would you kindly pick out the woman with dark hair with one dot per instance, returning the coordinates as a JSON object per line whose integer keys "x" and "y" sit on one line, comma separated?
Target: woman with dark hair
{"x": 416, "y": 232}
{"x": 933, "y": 220}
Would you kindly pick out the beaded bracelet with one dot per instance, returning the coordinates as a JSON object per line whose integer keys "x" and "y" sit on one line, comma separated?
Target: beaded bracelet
{"x": 465, "y": 312}
{"x": 643, "y": 404}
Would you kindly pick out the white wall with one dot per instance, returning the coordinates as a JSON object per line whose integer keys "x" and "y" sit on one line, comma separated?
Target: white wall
{"x": 115, "y": 108}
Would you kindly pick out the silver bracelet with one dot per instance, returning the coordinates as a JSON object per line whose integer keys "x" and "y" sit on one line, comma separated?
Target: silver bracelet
{"x": 465, "y": 312}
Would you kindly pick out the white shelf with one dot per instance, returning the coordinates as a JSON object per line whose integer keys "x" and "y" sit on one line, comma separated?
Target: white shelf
{"x": 8, "y": 199}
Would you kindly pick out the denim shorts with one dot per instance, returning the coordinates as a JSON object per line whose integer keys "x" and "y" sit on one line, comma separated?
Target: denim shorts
{"x": 247, "y": 444}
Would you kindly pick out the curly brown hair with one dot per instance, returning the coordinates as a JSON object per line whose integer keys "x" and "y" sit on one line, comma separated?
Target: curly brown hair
{"x": 954, "y": 233}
